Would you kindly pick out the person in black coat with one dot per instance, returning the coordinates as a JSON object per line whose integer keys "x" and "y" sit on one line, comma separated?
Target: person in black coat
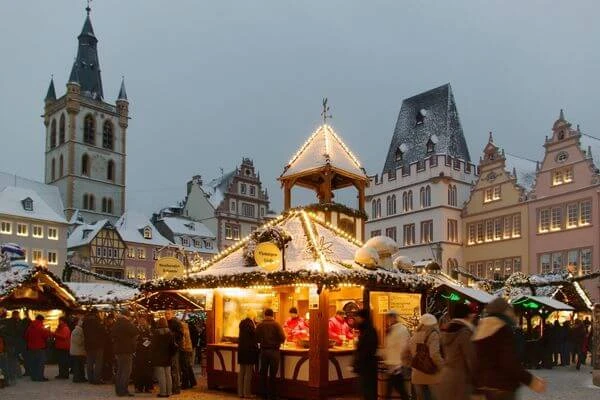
{"x": 247, "y": 354}
{"x": 163, "y": 349}
{"x": 94, "y": 339}
{"x": 124, "y": 336}
{"x": 142, "y": 364}
{"x": 365, "y": 356}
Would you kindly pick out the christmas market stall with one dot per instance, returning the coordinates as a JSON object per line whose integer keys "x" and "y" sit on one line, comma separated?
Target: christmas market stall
{"x": 102, "y": 295}
{"x": 297, "y": 262}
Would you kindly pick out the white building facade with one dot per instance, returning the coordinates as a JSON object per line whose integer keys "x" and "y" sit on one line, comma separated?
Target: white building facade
{"x": 428, "y": 174}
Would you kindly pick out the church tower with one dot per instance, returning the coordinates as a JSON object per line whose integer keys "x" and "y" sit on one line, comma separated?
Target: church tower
{"x": 86, "y": 138}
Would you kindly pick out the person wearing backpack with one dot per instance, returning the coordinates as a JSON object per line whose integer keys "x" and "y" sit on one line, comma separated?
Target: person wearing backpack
{"x": 424, "y": 351}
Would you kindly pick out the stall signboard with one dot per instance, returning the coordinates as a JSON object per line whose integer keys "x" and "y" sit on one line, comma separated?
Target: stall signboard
{"x": 208, "y": 306}
{"x": 275, "y": 303}
{"x": 268, "y": 256}
{"x": 313, "y": 298}
{"x": 168, "y": 267}
{"x": 407, "y": 305}
{"x": 383, "y": 303}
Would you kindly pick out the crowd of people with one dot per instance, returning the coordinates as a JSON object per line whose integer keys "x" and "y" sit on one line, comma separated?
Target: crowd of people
{"x": 119, "y": 348}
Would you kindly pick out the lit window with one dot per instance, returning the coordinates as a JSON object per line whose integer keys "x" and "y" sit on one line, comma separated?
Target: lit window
{"x": 243, "y": 188}
{"x": 427, "y": 231}
{"x": 6, "y": 227}
{"x": 409, "y": 234}
{"x": 585, "y": 214}
{"x": 472, "y": 233}
{"x": 130, "y": 273}
{"x": 562, "y": 175}
{"x": 131, "y": 252}
{"x": 22, "y": 229}
{"x": 480, "y": 232}
{"x": 197, "y": 243}
{"x": 586, "y": 260}
{"x": 544, "y": 220}
{"x": 572, "y": 215}
{"x": 38, "y": 231}
{"x": 507, "y": 227}
{"x": 556, "y": 219}
{"x": 52, "y": 258}
{"x": 453, "y": 230}
{"x": 141, "y": 253}
{"x": 141, "y": 274}
{"x": 489, "y": 230}
{"x": 568, "y": 175}
{"x": 185, "y": 241}
{"x": 236, "y": 233}
{"x": 496, "y": 195}
{"x": 516, "y": 222}
{"x": 378, "y": 208}
{"x": 27, "y": 204}
{"x": 480, "y": 270}
{"x": 147, "y": 233}
{"x": 228, "y": 232}
{"x": 36, "y": 256}
{"x": 557, "y": 177}
{"x": 488, "y": 195}
{"x": 498, "y": 229}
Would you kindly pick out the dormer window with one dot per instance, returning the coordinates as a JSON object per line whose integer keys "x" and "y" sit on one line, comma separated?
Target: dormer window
{"x": 420, "y": 119}
{"x": 399, "y": 154}
{"x": 27, "y": 204}
{"x": 147, "y": 232}
{"x": 430, "y": 146}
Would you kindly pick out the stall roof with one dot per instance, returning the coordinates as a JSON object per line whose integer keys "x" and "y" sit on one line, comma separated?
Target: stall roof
{"x": 473, "y": 294}
{"x": 167, "y": 301}
{"x": 317, "y": 253}
{"x": 101, "y": 292}
{"x": 544, "y": 300}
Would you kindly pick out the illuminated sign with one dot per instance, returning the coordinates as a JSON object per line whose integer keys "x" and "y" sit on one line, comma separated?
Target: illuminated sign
{"x": 268, "y": 256}
{"x": 168, "y": 267}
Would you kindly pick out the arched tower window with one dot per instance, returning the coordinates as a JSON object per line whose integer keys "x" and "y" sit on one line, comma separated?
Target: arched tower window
{"x": 378, "y": 208}
{"x": 61, "y": 166}
{"x": 410, "y": 200}
{"x": 61, "y": 129}
{"x": 107, "y": 205}
{"x": 374, "y": 208}
{"x": 92, "y": 202}
{"x": 85, "y": 165}
{"x": 388, "y": 205}
{"x": 393, "y": 204}
{"x": 452, "y": 195}
{"x": 89, "y": 129}
{"x": 427, "y": 196}
{"x": 53, "y": 170}
{"x": 53, "y": 134}
{"x": 86, "y": 201}
{"x": 108, "y": 138}
{"x": 110, "y": 170}
{"x": 422, "y": 197}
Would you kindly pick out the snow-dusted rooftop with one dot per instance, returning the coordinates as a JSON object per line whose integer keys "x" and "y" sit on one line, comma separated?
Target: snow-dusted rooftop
{"x": 48, "y": 193}
{"x": 188, "y": 227}
{"x": 101, "y": 292}
{"x": 524, "y": 168}
{"x": 323, "y": 147}
{"x": 131, "y": 227}
{"x": 546, "y": 301}
{"x": 216, "y": 188}
{"x": 85, "y": 233}
{"x": 12, "y": 202}
{"x": 591, "y": 144}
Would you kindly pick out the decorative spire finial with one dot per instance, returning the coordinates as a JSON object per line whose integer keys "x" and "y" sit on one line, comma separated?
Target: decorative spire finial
{"x": 561, "y": 116}
{"x": 491, "y": 138}
{"x": 88, "y": 8}
{"x": 325, "y": 111}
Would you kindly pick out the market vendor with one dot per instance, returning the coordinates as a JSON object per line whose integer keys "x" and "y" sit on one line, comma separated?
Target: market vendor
{"x": 339, "y": 330}
{"x": 296, "y": 327}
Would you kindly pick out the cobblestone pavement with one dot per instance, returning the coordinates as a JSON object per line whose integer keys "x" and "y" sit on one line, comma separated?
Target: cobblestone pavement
{"x": 563, "y": 384}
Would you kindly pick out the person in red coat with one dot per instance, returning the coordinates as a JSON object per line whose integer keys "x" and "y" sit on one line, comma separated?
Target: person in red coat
{"x": 62, "y": 344}
{"x": 295, "y": 327}
{"x": 339, "y": 329}
{"x": 37, "y": 337}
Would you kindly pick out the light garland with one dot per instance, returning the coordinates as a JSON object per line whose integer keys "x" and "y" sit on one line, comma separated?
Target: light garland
{"x": 308, "y": 231}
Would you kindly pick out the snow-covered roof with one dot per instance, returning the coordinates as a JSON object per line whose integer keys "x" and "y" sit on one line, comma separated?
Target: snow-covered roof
{"x": 101, "y": 292}
{"x": 324, "y": 147}
{"x": 12, "y": 277}
{"x": 48, "y": 193}
{"x": 546, "y": 301}
{"x": 524, "y": 168}
{"x": 217, "y": 188}
{"x": 187, "y": 227}
{"x": 591, "y": 144}
{"x": 131, "y": 227}
{"x": 13, "y": 199}
{"x": 85, "y": 233}
{"x": 475, "y": 294}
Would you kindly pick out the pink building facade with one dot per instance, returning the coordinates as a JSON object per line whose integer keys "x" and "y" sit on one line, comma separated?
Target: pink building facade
{"x": 564, "y": 206}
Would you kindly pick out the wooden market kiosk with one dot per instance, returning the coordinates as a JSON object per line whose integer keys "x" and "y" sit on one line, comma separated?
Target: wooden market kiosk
{"x": 304, "y": 258}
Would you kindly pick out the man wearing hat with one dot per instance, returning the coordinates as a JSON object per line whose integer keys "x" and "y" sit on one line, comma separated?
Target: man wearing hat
{"x": 295, "y": 327}
{"x": 395, "y": 345}
{"x": 499, "y": 373}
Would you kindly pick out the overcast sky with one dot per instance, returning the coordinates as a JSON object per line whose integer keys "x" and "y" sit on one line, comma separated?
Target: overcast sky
{"x": 212, "y": 82}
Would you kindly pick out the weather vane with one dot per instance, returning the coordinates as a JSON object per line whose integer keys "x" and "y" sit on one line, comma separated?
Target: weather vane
{"x": 325, "y": 111}
{"x": 88, "y": 8}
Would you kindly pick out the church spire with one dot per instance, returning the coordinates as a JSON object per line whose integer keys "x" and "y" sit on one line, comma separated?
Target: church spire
{"x": 86, "y": 69}
{"x": 51, "y": 94}
{"x": 122, "y": 92}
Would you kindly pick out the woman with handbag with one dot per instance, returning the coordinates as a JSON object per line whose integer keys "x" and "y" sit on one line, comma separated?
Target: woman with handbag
{"x": 426, "y": 358}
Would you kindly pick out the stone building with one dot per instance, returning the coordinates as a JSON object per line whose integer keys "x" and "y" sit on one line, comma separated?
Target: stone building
{"x": 31, "y": 216}
{"x": 495, "y": 217}
{"x": 231, "y": 206}
{"x": 427, "y": 176}
{"x": 85, "y": 152}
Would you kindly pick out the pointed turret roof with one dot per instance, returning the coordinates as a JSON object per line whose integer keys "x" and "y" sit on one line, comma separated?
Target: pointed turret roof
{"x": 324, "y": 147}
{"x": 122, "y": 91}
{"x": 51, "y": 94}
{"x": 429, "y": 113}
{"x": 86, "y": 69}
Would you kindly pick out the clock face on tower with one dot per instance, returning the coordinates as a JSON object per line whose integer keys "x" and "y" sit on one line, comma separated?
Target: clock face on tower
{"x": 491, "y": 177}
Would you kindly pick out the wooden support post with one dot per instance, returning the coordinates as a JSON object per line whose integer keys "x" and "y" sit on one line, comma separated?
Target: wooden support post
{"x": 318, "y": 352}
{"x": 287, "y": 195}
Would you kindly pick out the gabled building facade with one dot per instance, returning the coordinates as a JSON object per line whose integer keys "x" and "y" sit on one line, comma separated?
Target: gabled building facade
{"x": 232, "y": 206}
{"x": 191, "y": 237}
{"x": 565, "y": 205}
{"x": 85, "y": 152}
{"x": 144, "y": 245}
{"x": 495, "y": 217}
{"x": 99, "y": 248}
{"x": 31, "y": 216}
{"x": 427, "y": 176}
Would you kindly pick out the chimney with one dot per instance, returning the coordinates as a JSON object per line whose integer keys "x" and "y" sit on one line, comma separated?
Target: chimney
{"x": 196, "y": 180}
